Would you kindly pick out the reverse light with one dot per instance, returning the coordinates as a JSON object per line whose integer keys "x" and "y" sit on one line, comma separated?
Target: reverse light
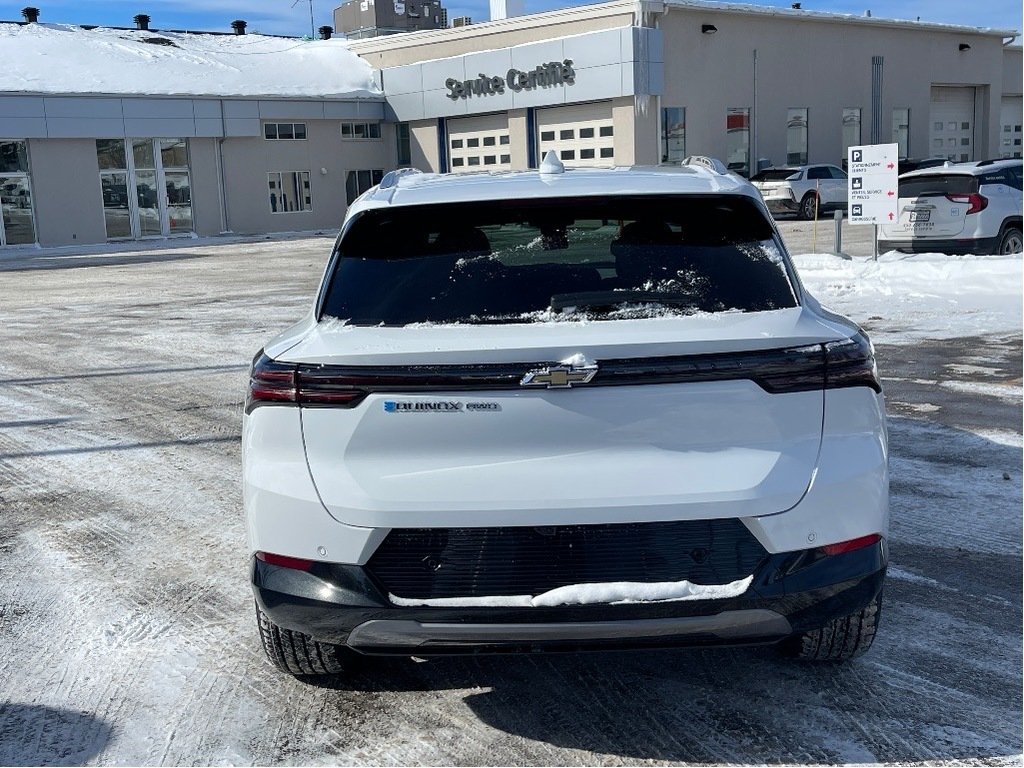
{"x": 851, "y": 545}
{"x": 295, "y": 563}
{"x": 975, "y": 202}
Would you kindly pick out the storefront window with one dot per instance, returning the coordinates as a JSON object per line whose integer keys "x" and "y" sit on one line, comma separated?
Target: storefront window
{"x": 17, "y": 226}
{"x": 796, "y": 136}
{"x": 673, "y": 134}
{"x": 404, "y": 138}
{"x": 737, "y": 126}
{"x": 901, "y": 129}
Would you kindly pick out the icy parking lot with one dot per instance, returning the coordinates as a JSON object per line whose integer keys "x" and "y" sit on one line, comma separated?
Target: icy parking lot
{"x": 126, "y": 617}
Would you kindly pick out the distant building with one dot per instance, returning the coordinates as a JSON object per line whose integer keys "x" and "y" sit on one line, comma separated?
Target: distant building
{"x": 374, "y": 18}
{"x": 506, "y": 9}
{"x": 461, "y": 21}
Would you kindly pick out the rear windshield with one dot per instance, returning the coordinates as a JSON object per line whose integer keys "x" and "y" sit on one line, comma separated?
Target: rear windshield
{"x": 560, "y": 259}
{"x": 938, "y": 184}
{"x": 776, "y": 174}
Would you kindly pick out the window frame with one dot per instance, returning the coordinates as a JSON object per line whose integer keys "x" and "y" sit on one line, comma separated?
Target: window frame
{"x": 307, "y": 207}
{"x": 277, "y": 131}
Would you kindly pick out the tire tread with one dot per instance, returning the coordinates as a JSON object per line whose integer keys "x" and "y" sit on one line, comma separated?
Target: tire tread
{"x": 296, "y": 653}
{"x": 839, "y": 640}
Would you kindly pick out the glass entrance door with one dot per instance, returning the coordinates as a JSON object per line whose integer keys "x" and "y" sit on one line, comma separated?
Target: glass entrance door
{"x": 146, "y": 191}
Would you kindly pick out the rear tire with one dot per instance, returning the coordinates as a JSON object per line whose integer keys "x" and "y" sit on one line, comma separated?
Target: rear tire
{"x": 1011, "y": 241}
{"x": 296, "y": 653}
{"x": 839, "y": 640}
{"x": 809, "y": 207}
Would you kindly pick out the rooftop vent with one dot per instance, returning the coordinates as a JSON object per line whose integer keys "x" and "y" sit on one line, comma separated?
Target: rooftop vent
{"x": 141, "y": 21}
{"x": 326, "y": 32}
{"x": 31, "y": 14}
{"x": 239, "y": 26}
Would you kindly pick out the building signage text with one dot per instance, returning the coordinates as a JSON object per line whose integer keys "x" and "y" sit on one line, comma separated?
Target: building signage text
{"x": 545, "y": 75}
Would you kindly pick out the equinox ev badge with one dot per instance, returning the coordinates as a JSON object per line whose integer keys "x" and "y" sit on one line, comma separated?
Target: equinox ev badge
{"x": 421, "y": 406}
{"x": 559, "y": 376}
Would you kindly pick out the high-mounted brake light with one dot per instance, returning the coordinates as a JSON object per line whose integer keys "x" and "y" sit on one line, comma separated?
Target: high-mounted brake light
{"x": 975, "y": 202}
{"x": 851, "y": 363}
{"x": 851, "y": 545}
{"x": 275, "y": 383}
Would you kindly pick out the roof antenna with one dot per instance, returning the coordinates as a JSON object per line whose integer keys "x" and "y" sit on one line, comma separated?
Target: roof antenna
{"x": 551, "y": 164}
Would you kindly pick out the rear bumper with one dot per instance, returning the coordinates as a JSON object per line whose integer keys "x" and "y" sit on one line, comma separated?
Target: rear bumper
{"x": 790, "y": 593}
{"x": 974, "y": 245}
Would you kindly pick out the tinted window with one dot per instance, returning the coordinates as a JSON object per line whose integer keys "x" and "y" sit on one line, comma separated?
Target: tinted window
{"x": 938, "y": 184}
{"x": 776, "y": 174}
{"x": 837, "y": 173}
{"x": 1002, "y": 176}
{"x": 818, "y": 173}
{"x": 561, "y": 259}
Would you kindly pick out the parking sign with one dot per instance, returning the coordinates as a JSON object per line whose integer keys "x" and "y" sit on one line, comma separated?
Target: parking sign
{"x": 872, "y": 191}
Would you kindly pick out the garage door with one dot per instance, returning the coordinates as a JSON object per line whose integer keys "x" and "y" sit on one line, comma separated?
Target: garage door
{"x": 479, "y": 144}
{"x": 1009, "y": 128}
{"x": 581, "y": 136}
{"x": 952, "y": 123}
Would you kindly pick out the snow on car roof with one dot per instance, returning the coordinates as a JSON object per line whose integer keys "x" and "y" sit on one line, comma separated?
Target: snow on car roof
{"x": 973, "y": 168}
{"x": 413, "y": 188}
{"x": 68, "y": 59}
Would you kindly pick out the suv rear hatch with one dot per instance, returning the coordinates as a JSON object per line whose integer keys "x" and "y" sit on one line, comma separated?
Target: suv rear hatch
{"x": 933, "y": 206}
{"x": 561, "y": 362}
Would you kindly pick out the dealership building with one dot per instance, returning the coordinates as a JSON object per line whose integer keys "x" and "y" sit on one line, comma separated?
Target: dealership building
{"x": 302, "y": 127}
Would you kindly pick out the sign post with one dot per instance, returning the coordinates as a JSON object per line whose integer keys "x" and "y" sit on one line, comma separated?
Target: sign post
{"x": 872, "y": 191}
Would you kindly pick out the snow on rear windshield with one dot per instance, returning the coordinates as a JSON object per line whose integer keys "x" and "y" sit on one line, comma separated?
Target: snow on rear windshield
{"x": 549, "y": 260}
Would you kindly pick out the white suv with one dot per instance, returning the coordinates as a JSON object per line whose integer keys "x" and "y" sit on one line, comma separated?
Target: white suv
{"x": 561, "y": 410}
{"x": 961, "y": 208}
{"x": 808, "y": 191}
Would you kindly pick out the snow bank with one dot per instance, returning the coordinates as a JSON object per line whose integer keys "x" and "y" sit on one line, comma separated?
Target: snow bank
{"x": 612, "y": 592}
{"x": 56, "y": 58}
{"x": 903, "y": 298}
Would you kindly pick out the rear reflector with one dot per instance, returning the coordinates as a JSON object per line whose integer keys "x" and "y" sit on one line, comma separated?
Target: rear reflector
{"x": 295, "y": 563}
{"x": 851, "y": 545}
{"x": 851, "y": 363}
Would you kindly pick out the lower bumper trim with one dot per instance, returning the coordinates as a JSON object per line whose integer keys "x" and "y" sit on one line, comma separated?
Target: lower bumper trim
{"x": 739, "y": 625}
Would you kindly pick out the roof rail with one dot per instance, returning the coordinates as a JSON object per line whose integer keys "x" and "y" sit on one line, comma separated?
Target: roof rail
{"x": 711, "y": 163}
{"x": 391, "y": 178}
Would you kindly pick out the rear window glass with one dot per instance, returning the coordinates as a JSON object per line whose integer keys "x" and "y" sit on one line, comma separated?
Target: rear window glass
{"x": 775, "y": 174}
{"x": 938, "y": 184}
{"x": 560, "y": 259}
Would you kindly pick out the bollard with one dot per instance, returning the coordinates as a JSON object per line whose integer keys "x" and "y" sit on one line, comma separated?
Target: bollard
{"x": 839, "y": 231}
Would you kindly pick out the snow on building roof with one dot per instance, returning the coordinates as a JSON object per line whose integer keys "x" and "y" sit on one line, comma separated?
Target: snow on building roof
{"x": 66, "y": 59}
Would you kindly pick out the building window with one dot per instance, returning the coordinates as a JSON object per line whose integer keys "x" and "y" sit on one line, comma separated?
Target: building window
{"x": 403, "y": 137}
{"x": 284, "y": 131}
{"x": 851, "y": 131}
{"x": 289, "y": 191}
{"x": 17, "y": 226}
{"x": 901, "y": 129}
{"x": 673, "y": 134}
{"x": 360, "y": 130}
{"x": 579, "y": 143}
{"x": 467, "y": 148}
{"x": 796, "y": 136}
{"x": 737, "y": 141}
{"x": 357, "y": 182}
{"x": 146, "y": 187}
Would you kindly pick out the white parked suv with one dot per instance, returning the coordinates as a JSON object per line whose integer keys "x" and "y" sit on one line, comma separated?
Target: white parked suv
{"x": 806, "y": 190}
{"x": 958, "y": 208}
{"x": 561, "y": 410}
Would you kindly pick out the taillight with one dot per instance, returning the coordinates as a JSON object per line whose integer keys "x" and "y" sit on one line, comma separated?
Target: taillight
{"x": 276, "y": 383}
{"x": 270, "y": 382}
{"x": 295, "y": 563}
{"x": 975, "y": 202}
{"x": 851, "y": 545}
{"x": 851, "y": 363}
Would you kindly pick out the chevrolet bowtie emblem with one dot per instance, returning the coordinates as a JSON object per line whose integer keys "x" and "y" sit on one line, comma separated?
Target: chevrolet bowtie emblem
{"x": 559, "y": 376}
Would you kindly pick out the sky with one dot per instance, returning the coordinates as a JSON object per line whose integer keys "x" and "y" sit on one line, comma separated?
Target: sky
{"x": 292, "y": 17}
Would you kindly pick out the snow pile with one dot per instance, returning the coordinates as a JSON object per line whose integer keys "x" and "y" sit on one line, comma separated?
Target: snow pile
{"x": 903, "y": 298}
{"x": 56, "y": 58}
{"x": 610, "y": 593}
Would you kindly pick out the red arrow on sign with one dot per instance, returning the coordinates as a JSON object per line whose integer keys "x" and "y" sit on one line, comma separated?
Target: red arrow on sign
{"x": 890, "y": 216}
{"x": 890, "y": 166}
{"x": 890, "y": 193}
